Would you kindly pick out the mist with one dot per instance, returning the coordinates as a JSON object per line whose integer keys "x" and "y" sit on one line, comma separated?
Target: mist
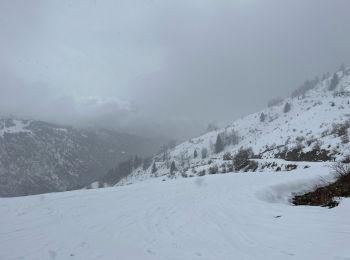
{"x": 162, "y": 67}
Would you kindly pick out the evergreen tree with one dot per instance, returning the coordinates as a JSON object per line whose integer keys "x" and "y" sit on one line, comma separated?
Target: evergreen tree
{"x": 219, "y": 145}
{"x": 334, "y": 82}
{"x": 137, "y": 162}
{"x": 262, "y": 117}
{"x": 146, "y": 163}
{"x": 154, "y": 167}
{"x": 204, "y": 153}
{"x": 172, "y": 168}
{"x": 195, "y": 154}
{"x": 286, "y": 108}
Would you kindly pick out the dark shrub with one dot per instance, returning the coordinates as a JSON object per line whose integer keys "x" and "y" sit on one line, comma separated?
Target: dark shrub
{"x": 227, "y": 157}
{"x": 341, "y": 169}
{"x": 172, "y": 168}
{"x": 213, "y": 169}
{"x": 262, "y": 117}
{"x": 252, "y": 166}
{"x": 201, "y": 173}
{"x": 241, "y": 159}
{"x": 287, "y": 108}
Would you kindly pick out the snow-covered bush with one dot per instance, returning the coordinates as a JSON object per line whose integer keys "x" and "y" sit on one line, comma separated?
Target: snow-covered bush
{"x": 340, "y": 129}
{"x": 341, "y": 169}
{"x": 214, "y": 169}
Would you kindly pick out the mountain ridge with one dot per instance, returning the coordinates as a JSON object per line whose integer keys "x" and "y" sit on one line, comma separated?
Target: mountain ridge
{"x": 38, "y": 157}
{"x": 309, "y": 126}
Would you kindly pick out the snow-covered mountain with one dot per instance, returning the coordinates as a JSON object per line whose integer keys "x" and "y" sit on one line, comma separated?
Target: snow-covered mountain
{"x": 38, "y": 157}
{"x": 311, "y": 125}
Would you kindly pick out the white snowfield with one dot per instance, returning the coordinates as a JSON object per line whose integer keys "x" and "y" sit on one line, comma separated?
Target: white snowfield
{"x": 223, "y": 216}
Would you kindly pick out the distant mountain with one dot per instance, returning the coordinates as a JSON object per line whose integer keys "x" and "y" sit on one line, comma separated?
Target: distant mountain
{"x": 311, "y": 125}
{"x": 38, "y": 157}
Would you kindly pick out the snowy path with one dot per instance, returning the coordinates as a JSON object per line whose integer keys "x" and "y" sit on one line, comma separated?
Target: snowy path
{"x": 230, "y": 216}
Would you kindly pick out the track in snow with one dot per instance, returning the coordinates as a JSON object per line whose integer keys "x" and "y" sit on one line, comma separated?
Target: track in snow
{"x": 231, "y": 216}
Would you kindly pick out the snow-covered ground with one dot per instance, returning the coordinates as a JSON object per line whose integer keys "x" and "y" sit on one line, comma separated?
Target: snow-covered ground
{"x": 224, "y": 216}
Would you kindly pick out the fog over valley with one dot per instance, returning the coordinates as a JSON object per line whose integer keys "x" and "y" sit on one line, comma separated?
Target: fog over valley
{"x": 162, "y": 67}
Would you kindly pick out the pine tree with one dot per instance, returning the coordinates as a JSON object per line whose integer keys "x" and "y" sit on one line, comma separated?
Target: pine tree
{"x": 172, "y": 168}
{"x": 334, "y": 82}
{"x": 146, "y": 163}
{"x": 137, "y": 162}
{"x": 219, "y": 145}
{"x": 286, "y": 108}
{"x": 262, "y": 117}
{"x": 204, "y": 153}
{"x": 154, "y": 167}
{"x": 195, "y": 154}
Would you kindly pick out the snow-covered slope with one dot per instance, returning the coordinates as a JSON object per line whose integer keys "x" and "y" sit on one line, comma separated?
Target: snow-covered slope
{"x": 317, "y": 121}
{"x": 37, "y": 157}
{"x": 232, "y": 216}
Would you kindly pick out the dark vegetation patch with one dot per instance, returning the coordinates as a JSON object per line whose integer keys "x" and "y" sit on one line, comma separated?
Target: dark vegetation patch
{"x": 327, "y": 195}
{"x": 252, "y": 166}
{"x": 314, "y": 155}
{"x": 227, "y": 157}
{"x": 241, "y": 159}
{"x": 290, "y": 167}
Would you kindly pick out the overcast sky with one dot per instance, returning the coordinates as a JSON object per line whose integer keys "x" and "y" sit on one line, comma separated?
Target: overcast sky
{"x": 162, "y": 67}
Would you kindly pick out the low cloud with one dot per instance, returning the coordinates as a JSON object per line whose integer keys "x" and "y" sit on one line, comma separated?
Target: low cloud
{"x": 160, "y": 67}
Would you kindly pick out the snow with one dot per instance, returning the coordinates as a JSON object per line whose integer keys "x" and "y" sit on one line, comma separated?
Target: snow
{"x": 309, "y": 123}
{"x": 223, "y": 216}
{"x": 16, "y": 126}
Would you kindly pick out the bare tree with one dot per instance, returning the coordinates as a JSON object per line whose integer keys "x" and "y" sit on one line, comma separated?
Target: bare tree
{"x": 341, "y": 169}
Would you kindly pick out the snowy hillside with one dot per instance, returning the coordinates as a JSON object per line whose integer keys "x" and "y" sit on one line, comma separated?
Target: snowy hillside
{"x": 310, "y": 127}
{"x": 232, "y": 216}
{"x": 38, "y": 157}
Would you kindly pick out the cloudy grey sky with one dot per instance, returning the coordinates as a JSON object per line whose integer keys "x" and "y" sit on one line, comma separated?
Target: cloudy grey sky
{"x": 163, "y": 67}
